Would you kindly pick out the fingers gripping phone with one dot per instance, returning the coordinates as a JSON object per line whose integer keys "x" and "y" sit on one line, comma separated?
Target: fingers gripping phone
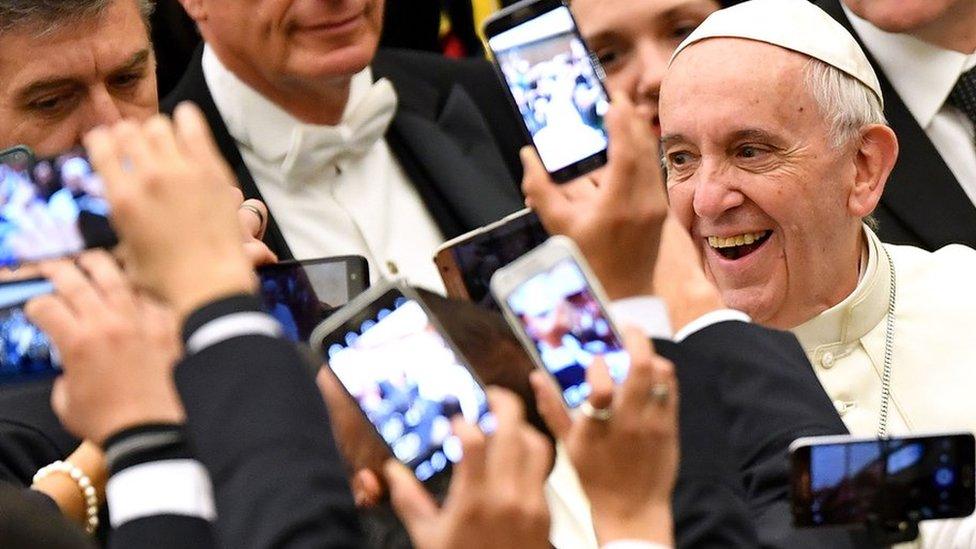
{"x": 467, "y": 263}
{"x": 395, "y": 360}
{"x": 26, "y": 353}
{"x": 301, "y": 294}
{"x": 554, "y": 82}
{"x": 845, "y": 480}
{"x": 52, "y": 208}
{"x": 556, "y": 306}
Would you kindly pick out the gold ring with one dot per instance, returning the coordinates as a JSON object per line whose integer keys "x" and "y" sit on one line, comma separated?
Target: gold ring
{"x": 660, "y": 393}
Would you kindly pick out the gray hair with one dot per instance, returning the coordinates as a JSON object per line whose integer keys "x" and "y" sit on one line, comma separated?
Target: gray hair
{"x": 46, "y": 16}
{"x": 846, "y": 103}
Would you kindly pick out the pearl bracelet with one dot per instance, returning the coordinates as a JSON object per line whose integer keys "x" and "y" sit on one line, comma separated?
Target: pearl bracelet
{"x": 84, "y": 484}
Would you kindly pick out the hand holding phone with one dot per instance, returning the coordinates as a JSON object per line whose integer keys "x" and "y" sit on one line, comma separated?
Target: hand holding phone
{"x": 554, "y": 83}
{"x": 618, "y": 224}
{"x": 627, "y": 463}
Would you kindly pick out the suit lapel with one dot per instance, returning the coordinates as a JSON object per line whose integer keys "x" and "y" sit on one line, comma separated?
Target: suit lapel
{"x": 921, "y": 192}
{"x": 193, "y": 88}
{"x": 446, "y": 148}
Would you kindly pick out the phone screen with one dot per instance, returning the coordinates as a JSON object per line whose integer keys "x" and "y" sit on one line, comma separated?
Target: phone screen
{"x": 55, "y": 207}
{"x": 555, "y": 86}
{"x": 301, "y": 294}
{"x": 408, "y": 381}
{"x": 27, "y": 354}
{"x": 479, "y": 258}
{"x": 568, "y": 326}
{"x": 845, "y": 483}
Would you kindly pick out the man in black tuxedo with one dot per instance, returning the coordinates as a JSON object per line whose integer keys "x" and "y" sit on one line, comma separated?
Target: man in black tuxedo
{"x": 302, "y": 107}
{"x": 924, "y": 53}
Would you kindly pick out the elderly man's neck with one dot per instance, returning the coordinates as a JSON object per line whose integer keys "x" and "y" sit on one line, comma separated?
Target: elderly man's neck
{"x": 320, "y": 102}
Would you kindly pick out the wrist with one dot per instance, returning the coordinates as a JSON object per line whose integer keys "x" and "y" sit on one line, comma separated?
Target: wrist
{"x": 194, "y": 293}
{"x": 652, "y": 522}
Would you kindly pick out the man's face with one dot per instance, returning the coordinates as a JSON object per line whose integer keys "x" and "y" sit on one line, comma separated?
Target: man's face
{"x": 634, "y": 39}
{"x": 292, "y": 41}
{"x": 901, "y": 15}
{"x": 56, "y": 87}
{"x": 749, "y": 160}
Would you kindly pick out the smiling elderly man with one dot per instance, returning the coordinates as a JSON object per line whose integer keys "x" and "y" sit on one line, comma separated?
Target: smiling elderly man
{"x": 777, "y": 152}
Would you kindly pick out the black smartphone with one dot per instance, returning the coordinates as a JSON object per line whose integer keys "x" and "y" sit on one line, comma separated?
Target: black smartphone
{"x": 555, "y": 84}
{"x": 53, "y": 208}
{"x": 844, "y": 480}
{"x": 27, "y": 355}
{"x": 399, "y": 365}
{"x": 19, "y": 157}
{"x": 467, "y": 263}
{"x": 301, "y": 294}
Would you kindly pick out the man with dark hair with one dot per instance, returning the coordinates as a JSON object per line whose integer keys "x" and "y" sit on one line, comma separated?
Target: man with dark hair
{"x": 67, "y": 66}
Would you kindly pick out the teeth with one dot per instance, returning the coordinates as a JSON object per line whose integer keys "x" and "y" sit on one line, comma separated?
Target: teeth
{"x": 738, "y": 240}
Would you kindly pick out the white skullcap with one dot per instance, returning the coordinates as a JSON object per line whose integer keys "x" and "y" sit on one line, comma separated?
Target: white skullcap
{"x": 795, "y": 25}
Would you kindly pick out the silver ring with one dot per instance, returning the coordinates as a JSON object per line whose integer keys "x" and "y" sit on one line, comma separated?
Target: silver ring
{"x": 599, "y": 414}
{"x": 660, "y": 393}
{"x": 256, "y": 212}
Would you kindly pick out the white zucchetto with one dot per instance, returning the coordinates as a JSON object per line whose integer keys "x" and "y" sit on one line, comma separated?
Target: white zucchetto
{"x": 796, "y": 25}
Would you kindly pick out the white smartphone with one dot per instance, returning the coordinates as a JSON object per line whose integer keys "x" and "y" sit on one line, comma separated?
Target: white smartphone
{"x": 556, "y": 306}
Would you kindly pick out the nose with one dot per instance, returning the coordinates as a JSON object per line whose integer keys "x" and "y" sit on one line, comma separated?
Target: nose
{"x": 715, "y": 192}
{"x": 102, "y": 108}
{"x": 653, "y": 64}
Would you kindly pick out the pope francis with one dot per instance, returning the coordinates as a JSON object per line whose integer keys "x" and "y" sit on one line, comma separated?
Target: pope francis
{"x": 777, "y": 152}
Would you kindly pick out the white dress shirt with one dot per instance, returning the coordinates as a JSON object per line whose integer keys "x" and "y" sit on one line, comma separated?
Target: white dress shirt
{"x": 924, "y": 75}
{"x": 327, "y": 200}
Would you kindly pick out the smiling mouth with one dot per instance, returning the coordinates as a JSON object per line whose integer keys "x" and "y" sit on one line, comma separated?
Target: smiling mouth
{"x": 738, "y": 246}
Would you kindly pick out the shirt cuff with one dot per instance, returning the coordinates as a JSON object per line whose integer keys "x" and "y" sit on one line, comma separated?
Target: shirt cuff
{"x": 172, "y": 487}
{"x": 633, "y": 544}
{"x": 644, "y": 312}
{"x": 707, "y": 319}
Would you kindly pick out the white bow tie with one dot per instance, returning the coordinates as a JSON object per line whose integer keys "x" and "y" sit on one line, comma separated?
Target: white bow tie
{"x": 316, "y": 149}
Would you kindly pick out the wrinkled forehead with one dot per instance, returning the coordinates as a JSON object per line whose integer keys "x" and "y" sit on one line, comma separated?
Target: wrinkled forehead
{"x": 733, "y": 76}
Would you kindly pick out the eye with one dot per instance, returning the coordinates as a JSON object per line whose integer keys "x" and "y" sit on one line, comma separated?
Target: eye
{"x": 750, "y": 151}
{"x": 126, "y": 80}
{"x": 607, "y": 58}
{"x": 680, "y": 32}
{"x": 678, "y": 159}
{"x": 51, "y": 104}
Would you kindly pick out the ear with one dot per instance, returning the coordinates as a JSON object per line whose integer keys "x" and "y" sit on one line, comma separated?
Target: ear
{"x": 367, "y": 490}
{"x": 874, "y": 159}
{"x": 196, "y": 9}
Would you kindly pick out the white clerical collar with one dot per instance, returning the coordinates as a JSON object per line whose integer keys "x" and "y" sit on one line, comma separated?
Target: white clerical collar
{"x": 858, "y": 313}
{"x": 266, "y": 129}
{"x": 921, "y": 73}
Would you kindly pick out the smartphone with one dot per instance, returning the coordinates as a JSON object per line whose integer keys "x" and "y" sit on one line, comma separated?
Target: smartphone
{"x": 399, "y": 365}
{"x": 301, "y": 294}
{"x": 53, "y": 208}
{"x": 467, "y": 262}
{"x": 19, "y": 157}
{"x": 555, "y": 84}
{"x": 27, "y": 355}
{"x": 556, "y": 306}
{"x": 842, "y": 480}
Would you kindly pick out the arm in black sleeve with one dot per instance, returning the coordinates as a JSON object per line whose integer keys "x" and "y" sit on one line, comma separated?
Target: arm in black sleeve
{"x": 258, "y": 424}
{"x": 770, "y": 397}
{"x": 709, "y": 504}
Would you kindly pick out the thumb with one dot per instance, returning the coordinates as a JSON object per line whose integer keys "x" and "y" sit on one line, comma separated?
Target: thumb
{"x": 415, "y": 507}
{"x": 550, "y": 404}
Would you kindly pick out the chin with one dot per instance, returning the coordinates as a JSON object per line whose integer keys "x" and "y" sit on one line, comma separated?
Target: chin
{"x": 755, "y": 302}
{"x": 347, "y": 60}
{"x": 898, "y": 17}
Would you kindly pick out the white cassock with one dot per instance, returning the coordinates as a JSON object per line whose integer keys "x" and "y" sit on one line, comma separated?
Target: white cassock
{"x": 933, "y": 362}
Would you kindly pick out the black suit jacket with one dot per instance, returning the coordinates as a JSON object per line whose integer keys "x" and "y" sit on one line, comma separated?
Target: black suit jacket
{"x": 923, "y": 204}
{"x": 454, "y": 134}
{"x": 747, "y": 392}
